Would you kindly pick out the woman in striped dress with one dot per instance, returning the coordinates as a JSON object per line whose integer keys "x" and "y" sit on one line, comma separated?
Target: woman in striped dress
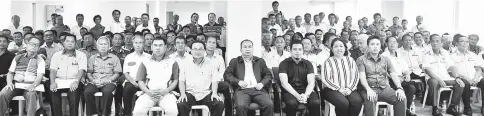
{"x": 341, "y": 79}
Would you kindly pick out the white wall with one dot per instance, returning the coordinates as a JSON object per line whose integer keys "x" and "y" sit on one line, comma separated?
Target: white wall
{"x": 184, "y": 9}
{"x": 291, "y": 9}
{"x": 438, "y": 15}
{"x": 24, "y": 10}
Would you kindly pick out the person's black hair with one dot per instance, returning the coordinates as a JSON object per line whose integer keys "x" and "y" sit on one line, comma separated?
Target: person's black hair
{"x": 332, "y": 14}
{"x": 273, "y": 29}
{"x": 83, "y": 28}
{"x": 96, "y": 16}
{"x": 275, "y": 2}
{"x": 5, "y": 37}
{"x": 186, "y": 26}
{"x": 116, "y": 11}
{"x": 194, "y": 14}
{"x": 71, "y": 35}
{"x": 181, "y": 37}
{"x": 417, "y": 33}
{"x": 145, "y": 14}
{"x": 201, "y": 34}
{"x": 307, "y": 14}
{"x": 149, "y": 31}
{"x": 148, "y": 34}
{"x": 28, "y": 27}
{"x": 39, "y": 33}
{"x": 245, "y": 41}
{"x": 63, "y": 34}
{"x": 372, "y": 38}
{"x": 332, "y": 44}
{"x": 445, "y": 34}
{"x": 210, "y": 14}
{"x": 108, "y": 33}
{"x": 376, "y": 14}
{"x": 122, "y": 36}
{"x": 171, "y": 31}
{"x": 318, "y": 30}
{"x": 54, "y": 32}
{"x": 156, "y": 18}
{"x": 198, "y": 41}
{"x": 395, "y": 17}
{"x": 18, "y": 33}
{"x": 295, "y": 42}
{"x": 404, "y": 20}
{"x": 5, "y": 30}
{"x": 326, "y": 37}
{"x": 88, "y": 33}
{"x": 435, "y": 35}
{"x": 29, "y": 34}
{"x": 341, "y": 34}
{"x": 271, "y": 15}
{"x": 297, "y": 34}
{"x": 387, "y": 40}
{"x": 348, "y": 17}
{"x": 456, "y": 37}
{"x": 53, "y": 15}
{"x": 308, "y": 34}
{"x": 79, "y": 15}
{"x": 289, "y": 31}
{"x": 407, "y": 35}
{"x": 138, "y": 33}
{"x": 159, "y": 38}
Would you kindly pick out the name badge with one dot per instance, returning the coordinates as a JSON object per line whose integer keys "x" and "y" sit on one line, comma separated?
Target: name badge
{"x": 131, "y": 63}
{"x": 110, "y": 64}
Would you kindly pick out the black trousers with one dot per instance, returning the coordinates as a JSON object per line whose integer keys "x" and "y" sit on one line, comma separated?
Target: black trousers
{"x": 344, "y": 105}
{"x": 458, "y": 92}
{"x": 481, "y": 85}
{"x": 106, "y": 99}
{"x": 128, "y": 97}
{"x": 223, "y": 87}
{"x": 244, "y": 97}
{"x": 118, "y": 96}
{"x": 73, "y": 97}
{"x": 216, "y": 107}
{"x": 410, "y": 90}
{"x": 313, "y": 104}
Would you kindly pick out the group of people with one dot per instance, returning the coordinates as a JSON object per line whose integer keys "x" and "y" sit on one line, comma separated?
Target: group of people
{"x": 356, "y": 66}
{"x": 178, "y": 66}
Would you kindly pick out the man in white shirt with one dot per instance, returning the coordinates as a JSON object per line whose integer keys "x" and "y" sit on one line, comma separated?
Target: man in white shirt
{"x": 273, "y": 25}
{"x": 469, "y": 69}
{"x": 181, "y": 53}
{"x": 437, "y": 64}
{"x": 17, "y": 45}
{"x": 145, "y": 18}
{"x": 199, "y": 83}
{"x": 419, "y": 27}
{"x": 307, "y": 22}
{"x": 275, "y": 9}
{"x": 76, "y": 29}
{"x": 52, "y": 21}
{"x": 299, "y": 27}
{"x": 15, "y": 27}
{"x": 332, "y": 23}
{"x": 116, "y": 26}
{"x": 317, "y": 25}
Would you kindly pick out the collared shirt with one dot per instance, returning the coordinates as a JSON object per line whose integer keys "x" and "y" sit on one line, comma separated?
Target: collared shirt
{"x": 266, "y": 56}
{"x": 198, "y": 77}
{"x": 375, "y": 28}
{"x": 249, "y": 74}
{"x": 476, "y": 49}
{"x": 12, "y": 28}
{"x": 13, "y": 46}
{"x": 395, "y": 28}
{"x": 129, "y": 28}
{"x": 307, "y": 26}
{"x": 158, "y": 29}
{"x": 377, "y": 70}
{"x": 180, "y": 59}
{"x": 26, "y": 69}
{"x": 66, "y": 65}
{"x": 413, "y": 59}
{"x": 89, "y": 53}
{"x": 51, "y": 50}
{"x": 466, "y": 63}
{"x": 131, "y": 50}
{"x": 335, "y": 27}
{"x": 116, "y": 27}
{"x": 97, "y": 31}
{"x": 424, "y": 49}
{"x": 149, "y": 27}
{"x": 275, "y": 59}
{"x": 103, "y": 67}
{"x": 219, "y": 64}
{"x": 214, "y": 24}
{"x": 398, "y": 63}
{"x": 321, "y": 26}
{"x": 419, "y": 28}
{"x": 316, "y": 60}
{"x": 438, "y": 63}
{"x": 355, "y": 53}
{"x": 59, "y": 29}
{"x": 297, "y": 73}
{"x": 132, "y": 63}
{"x": 5, "y": 61}
{"x": 160, "y": 72}
{"x": 175, "y": 26}
{"x": 300, "y": 29}
{"x": 340, "y": 73}
{"x": 121, "y": 54}
{"x": 76, "y": 30}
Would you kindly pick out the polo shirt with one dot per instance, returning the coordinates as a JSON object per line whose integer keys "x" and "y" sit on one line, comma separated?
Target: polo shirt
{"x": 198, "y": 77}
{"x": 51, "y": 50}
{"x": 5, "y": 59}
{"x": 377, "y": 70}
{"x": 159, "y": 72}
{"x": 466, "y": 63}
{"x": 26, "y": 68}
{"x": 103, "y": 67}
{"x": 66, "y": 65}
{"x": 132, "y": 63}
{"x": 413, "y": 59}
{"x": 438, "y": 63}
{"x": 296, "y": 73}
{"x": 214, "y": 24}
{"x": 398, "y": 63}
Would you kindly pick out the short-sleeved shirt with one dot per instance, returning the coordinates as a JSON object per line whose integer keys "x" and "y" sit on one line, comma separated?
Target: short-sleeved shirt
{"x": 466, "y": 63}
{"x": 398, "y": 63}
{"x": 27, "y": 68}
{"x": 51, "y": 50}
{"x": 59, "y": 29}
{"x": 198, "y": 77}
{"x": 377, "y": 70}
{"x": 97, "y": 31}
{"x": 116, "y": 27}
{"x": 13, "y": 46}
{"x": 159, "y": 72}
{"x": 297, "y": 73}
{"x": 193, "y": 28}
{"x": 438, "y": 63}
{"x": 12, "y": 28}
{"x": 103, "y": 67}
{"x": 413, "y": 58}
{"x": 219, "y": 62}
{"x": 149, "y": 27}
{"x": 5, "y": 61}
{"x": 76, "y": 30}
{"x": 89, "y": 53}
{"x": 275, "y": 59}
{"x": 68, "y": 65}
{"x": 316, "y": 60}
{"x": 130, "y": 28}
{"x": 121, "y": 54}
{"x": 178, "y": 58}
{"x": 132, "y": 63}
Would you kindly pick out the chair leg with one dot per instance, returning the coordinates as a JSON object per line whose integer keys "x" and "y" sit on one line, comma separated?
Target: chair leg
{"x": 21, "y": 107}
{"x": 425, "y": 97}
{"x": 376, "y": 110}
{"x": 450, "y": 100}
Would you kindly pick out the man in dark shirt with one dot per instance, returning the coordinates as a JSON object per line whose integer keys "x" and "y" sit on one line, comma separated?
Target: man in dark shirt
{"x": 297, "y": 79}
{"x": 121, "y": 53}
{"x": 6, "y": 58}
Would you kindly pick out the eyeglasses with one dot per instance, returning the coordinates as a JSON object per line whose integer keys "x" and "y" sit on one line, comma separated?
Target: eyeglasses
{"x": 198, "y": 50}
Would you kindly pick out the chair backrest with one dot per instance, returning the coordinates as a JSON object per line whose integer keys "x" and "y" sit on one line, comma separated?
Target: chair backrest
{"x": 275, "y": 73}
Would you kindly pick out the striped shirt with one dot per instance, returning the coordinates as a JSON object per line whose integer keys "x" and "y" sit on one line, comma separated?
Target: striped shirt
{"x": 340, "y": 73}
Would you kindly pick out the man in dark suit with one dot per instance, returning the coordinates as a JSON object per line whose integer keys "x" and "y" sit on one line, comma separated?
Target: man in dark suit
{"x": 250, "y": 77}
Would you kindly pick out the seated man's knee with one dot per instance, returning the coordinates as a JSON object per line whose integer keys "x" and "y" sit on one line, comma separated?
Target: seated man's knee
{"x": 241, "y": 106}
{"x": 172, "y": 111}
{"x": 291, "y": 103}
{"x": 32, "y": 94}
{"x": 314, "y": 102}
{"x": 433, "y": 83}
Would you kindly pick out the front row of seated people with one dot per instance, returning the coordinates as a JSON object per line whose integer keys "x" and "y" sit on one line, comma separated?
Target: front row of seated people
{"x": 349, "y": 85}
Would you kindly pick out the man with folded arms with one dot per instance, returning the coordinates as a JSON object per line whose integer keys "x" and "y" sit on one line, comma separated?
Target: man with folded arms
{"x": 67, "y": 68}
{"x": 26, "y": 68}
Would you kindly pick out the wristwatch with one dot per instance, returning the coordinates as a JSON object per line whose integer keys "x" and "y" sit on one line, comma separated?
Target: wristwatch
{"x": 399, "y": 88}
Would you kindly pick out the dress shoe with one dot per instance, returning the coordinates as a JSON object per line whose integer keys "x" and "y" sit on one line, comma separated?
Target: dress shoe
{"x": 452, "y": 110}
{"x": 435, "y": 111}
{"x": 468, "y": 111}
